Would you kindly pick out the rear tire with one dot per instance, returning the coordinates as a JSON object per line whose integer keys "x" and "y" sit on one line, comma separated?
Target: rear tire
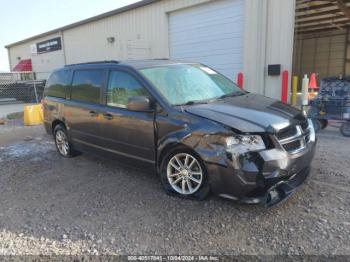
{"x": 183, "y": 174}
{"x": 63, "y": 145}
{"x": 345, "y": 129}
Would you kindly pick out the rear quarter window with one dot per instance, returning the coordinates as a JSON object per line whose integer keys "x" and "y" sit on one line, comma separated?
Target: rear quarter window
{"x": 86, "y": 85}
{"x": 57, "y": 84}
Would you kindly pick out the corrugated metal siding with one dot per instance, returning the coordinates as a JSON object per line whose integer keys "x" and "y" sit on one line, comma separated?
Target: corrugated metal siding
{"x": 215, "y": 39}
{"x": 347, "y": 54}
{"x": 139, "y": 33}
{"x": 322, "y": 55}
{"x": 143, "y": 33}
{"x": 269, "y": 35}
{"x": 255, "y": 45}
{"x": 279, "y": 45}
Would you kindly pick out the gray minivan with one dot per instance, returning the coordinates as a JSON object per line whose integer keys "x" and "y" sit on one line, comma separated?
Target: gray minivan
{"x": 190, "y": 124}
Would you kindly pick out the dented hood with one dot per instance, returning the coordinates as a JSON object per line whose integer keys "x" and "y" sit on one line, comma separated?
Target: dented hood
{"x": 247, "y": 113}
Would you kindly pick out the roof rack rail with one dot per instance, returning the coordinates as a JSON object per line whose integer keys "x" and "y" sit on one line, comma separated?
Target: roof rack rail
{"x": 95, "y": 62}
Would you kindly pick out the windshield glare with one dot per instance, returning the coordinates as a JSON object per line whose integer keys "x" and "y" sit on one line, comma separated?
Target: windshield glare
{"x": 184, "y": 83}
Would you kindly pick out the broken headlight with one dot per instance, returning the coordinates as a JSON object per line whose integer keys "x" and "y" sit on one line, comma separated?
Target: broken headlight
{"x": 241, "y": 144}
{"x": 312, "y": 131}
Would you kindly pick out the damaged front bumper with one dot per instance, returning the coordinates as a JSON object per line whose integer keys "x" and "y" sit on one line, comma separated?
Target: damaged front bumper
{"x": 267, "y": 177}
{"x": 284, "y": 189}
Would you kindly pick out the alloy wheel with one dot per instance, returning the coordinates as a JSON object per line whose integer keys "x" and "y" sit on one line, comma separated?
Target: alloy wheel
{"x": 62, "y": 142}
{"x": 184, "y": 174}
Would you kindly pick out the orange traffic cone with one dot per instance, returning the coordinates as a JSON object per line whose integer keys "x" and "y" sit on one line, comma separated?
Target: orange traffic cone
{"x": 313, "y": 86}
{"x": 313, "y": 81}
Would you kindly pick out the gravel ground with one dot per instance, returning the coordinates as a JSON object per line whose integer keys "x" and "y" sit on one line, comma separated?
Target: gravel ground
{"x": 86, "y": 205}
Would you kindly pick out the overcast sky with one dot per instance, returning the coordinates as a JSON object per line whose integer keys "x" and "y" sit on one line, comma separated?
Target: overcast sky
{"x": 21, "y": 19}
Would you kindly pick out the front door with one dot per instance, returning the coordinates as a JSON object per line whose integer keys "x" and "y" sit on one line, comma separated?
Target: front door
{"x": 124, "y": 132}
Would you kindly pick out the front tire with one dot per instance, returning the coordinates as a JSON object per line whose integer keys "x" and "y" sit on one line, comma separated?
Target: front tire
{"x": 323, "y": 123}
{"x": 345, "y": 129}
{"x": 63, "y": 145}
{"x": 317, "y": 125}
{"x": 183, "y": 174}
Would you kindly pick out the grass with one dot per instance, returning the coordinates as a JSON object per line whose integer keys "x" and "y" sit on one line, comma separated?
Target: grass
{"x": 15, "y": 116}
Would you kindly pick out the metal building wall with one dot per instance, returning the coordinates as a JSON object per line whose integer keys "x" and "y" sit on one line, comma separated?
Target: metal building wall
{"x": 321, "y": 54}
{"x": 144, "y": 33}
{"x": 269, "y": 35}
{"x": 139, "y": 33}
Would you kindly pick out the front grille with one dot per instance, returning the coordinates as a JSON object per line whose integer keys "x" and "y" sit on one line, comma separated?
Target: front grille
{"x": 292, "y": 146}
{"x": 294, "y": 138}
{"x": 287, "y": 132}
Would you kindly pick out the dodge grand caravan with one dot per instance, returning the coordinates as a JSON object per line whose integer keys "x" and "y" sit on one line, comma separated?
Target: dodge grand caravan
{"x": 195, "y": 127}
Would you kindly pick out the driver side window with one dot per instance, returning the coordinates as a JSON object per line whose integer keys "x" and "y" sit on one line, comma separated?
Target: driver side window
{"x": 122, "y": 86}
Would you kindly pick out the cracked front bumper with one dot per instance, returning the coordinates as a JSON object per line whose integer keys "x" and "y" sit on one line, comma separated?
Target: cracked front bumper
{"x": 267, "y": 177}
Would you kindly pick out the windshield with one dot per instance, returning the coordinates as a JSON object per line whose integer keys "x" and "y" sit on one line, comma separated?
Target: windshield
{"x": 184, "y": 84}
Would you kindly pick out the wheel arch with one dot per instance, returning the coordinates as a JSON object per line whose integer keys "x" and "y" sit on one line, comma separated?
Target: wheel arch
{"x": 205, "y": 187}
{"x": 163, "y": 152}
{"x": 55, "y": 123}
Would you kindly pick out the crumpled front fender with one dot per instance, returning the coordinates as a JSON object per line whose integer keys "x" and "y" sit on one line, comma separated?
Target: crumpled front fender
{"x": 208, "y": 144}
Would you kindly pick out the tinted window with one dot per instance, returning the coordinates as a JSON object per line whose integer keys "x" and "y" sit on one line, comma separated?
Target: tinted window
{"x": 57, "y": 83}
{"x": 122, "y": 86}
{"x": 86, "y": 86}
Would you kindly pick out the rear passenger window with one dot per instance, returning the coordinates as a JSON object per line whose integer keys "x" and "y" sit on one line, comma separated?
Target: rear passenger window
{"x": 121, "y": 87}
{"x": 57, "y": 84}
{"x": 86, "y": 86}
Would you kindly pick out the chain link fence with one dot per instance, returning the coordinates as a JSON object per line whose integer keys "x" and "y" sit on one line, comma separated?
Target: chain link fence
{"x": 20, "y": 87}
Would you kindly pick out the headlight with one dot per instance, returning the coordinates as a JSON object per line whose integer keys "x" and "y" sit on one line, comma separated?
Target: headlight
{"x": 241, "y": 144}
{"x": 312, "y": 131}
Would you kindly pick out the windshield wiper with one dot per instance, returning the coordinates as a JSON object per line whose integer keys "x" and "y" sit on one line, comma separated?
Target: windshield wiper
{"x": 193, "y": 102}
{"x": 196, "y": 102}
{"x": 238, "y": 93}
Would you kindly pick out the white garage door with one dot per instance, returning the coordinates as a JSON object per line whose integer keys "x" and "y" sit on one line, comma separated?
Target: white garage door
{"x": 211, "y": 34}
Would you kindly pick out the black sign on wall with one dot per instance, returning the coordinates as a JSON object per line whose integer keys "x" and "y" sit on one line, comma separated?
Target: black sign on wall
{"x": 274, "y": 70}
{"x": 50, "y": 45}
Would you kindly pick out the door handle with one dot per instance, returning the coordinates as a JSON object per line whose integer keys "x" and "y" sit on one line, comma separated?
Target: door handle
{"x": 93, "y": 113}
{"x": 108, "y": 116}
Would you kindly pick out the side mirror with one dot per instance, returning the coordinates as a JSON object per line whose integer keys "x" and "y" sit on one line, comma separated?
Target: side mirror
{"x": 139, "y": 103}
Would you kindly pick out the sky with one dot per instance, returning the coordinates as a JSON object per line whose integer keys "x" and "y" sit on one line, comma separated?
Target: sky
{"x": 21, "y": 19}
